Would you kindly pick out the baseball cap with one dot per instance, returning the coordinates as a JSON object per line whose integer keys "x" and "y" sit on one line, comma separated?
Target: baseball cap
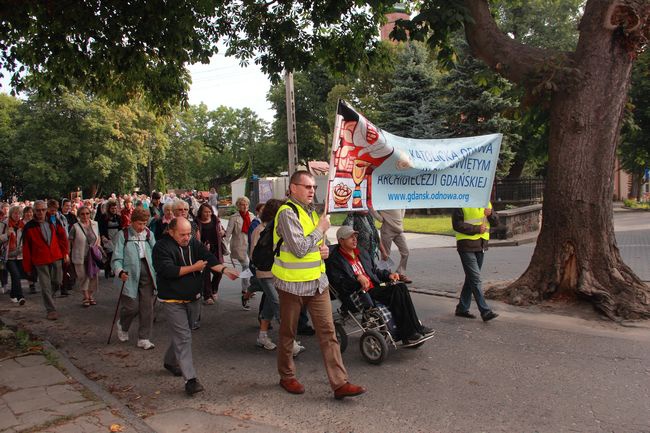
{"x": 345, "y": 232}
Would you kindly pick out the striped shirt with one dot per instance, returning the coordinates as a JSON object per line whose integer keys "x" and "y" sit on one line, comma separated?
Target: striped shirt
{"x": 292, "y": 233}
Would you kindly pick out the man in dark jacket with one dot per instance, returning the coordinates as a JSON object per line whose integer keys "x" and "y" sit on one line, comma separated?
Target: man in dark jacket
{"x": 156, "y": 212}
{"x": 45, "y": 247}
{"x": 472, "y": 227}
{"x": 68, "y": 219}
{"x": 350, "y": 269}
{"x": 179, "y": 260}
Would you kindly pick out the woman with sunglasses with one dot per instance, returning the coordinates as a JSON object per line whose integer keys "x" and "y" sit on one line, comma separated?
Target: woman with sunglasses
{"x": 83, "y": 235}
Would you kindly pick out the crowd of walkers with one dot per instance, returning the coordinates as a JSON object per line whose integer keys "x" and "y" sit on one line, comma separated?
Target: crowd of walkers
{"x": 171, "y": 249}
{"x": 50, "y": 243}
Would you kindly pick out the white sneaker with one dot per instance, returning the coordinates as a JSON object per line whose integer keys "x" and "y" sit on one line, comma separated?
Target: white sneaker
{"x": 266, "y": 343}
{"x": 14, "y": 300}
{"x": 121, "y": 335}
{"x": 3, "y": 289}
{"x": 297, "y": 348}
{"x": 146, "y": 344}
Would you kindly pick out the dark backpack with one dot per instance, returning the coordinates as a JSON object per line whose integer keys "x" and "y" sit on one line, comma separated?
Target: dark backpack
{"x": 263, "y": 253}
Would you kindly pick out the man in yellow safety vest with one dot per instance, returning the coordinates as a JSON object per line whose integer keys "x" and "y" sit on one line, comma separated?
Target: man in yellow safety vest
{"x": 299, "y": 277}
{"x": 472, "y": 226}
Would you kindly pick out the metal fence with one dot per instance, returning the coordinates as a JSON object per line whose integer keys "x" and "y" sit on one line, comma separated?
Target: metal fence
{"x": 530, "y": 190}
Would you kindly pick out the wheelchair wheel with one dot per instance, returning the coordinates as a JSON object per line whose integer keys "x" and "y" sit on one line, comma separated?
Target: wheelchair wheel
{"x": 341, "y": 335}
{"x": 373, "y": 347}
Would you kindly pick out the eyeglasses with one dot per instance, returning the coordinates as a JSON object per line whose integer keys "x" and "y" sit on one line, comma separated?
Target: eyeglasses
{"x": 314, "y": 187}
{"x": 84, "y": 213}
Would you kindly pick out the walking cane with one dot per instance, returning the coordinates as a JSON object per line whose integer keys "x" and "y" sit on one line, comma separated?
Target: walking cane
{"x": 117, "y": 307}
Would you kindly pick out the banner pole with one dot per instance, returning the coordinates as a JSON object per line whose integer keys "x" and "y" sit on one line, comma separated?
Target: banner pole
{"x": 336, "y": 138}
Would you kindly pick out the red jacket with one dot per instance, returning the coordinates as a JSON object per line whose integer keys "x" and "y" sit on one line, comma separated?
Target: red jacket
{"x": 125, "y": 217}
{"x": 36, "y": 251}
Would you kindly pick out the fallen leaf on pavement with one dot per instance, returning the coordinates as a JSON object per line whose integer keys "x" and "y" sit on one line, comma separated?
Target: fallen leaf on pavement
{"x": 116, "y": 428}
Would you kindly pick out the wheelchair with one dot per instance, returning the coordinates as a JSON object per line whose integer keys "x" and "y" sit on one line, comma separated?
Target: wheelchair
{"x": 373, "y": 321}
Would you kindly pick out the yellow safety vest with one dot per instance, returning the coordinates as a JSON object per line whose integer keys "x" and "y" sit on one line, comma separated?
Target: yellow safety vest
{"x": 475, "y": 216}
{"x": 287, "y": 266}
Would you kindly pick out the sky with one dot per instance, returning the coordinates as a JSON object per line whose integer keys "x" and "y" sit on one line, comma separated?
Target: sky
{"x": 224, "y": 82}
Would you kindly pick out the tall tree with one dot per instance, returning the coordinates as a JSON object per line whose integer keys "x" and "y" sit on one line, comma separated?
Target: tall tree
{"x": 544, "y": 24}
{"x": 407, "y": 107}
{"x": 212, "y": 148}
{"x": 576, "y": 252}
{"x": 74, "y": 141}
{"x": 364, "y": 88}
{"x": 473, "y": 100}
{"x": 10, "y": 176}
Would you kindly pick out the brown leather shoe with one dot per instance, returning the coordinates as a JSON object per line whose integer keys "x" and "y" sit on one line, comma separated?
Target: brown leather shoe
{"x": 404, "y": 279}
{"x": 348, "y": 390}
{"x": 52, "y": 315}
{"x": 292, "y": 386}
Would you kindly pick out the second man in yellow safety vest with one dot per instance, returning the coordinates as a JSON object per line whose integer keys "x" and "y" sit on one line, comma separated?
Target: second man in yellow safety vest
{"x": 472, "y": 226}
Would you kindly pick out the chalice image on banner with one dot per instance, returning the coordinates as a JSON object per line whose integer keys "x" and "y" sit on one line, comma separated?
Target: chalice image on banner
{"x": 358, "y": 174}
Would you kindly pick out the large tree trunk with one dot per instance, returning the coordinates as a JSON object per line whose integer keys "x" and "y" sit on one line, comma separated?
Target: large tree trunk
{"x": 576, "y": 253}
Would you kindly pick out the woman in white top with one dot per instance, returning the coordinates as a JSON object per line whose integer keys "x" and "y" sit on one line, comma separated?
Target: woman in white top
{"x": 83, "y": 235}
{"x": 237, "y": 235}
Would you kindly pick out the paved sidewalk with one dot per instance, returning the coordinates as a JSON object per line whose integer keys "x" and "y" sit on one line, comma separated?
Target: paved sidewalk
{"x": 43, "y": 392}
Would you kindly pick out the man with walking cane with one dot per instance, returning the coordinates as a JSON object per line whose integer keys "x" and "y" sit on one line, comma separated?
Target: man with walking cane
{"x": 179, "y": 260}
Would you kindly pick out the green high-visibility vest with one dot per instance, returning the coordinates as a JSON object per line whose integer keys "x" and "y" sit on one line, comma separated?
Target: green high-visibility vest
{"x": 288, "y": 267}
{"x": 475, "y": 216}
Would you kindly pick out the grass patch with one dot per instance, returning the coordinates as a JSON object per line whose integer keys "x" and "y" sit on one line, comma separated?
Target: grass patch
{"x": 337, "y": 218}
{"x": 51, "y": 359}
{"x": 633, "y": 204}
{"x": 433, "y": 224}
{"x": 25, "y": 342}
{"x": 430, "y": 224}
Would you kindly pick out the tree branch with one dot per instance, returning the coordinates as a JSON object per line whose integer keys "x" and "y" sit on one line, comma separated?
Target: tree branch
{"x": 517, "y": 62}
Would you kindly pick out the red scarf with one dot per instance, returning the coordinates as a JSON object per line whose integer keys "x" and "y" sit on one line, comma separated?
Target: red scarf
{"x": 246, "y": 216}
{"x": 13, "y": 241}
{"x": 355, "y": 263}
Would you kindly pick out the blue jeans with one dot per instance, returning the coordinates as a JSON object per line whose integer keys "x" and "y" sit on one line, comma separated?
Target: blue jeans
{"x": 271, "y": 308}
{"x": 14, "y": 267}
{"x": 472, "y": 263}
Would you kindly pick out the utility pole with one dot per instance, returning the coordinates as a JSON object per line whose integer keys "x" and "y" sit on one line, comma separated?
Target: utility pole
{"x": 291, "y": 122}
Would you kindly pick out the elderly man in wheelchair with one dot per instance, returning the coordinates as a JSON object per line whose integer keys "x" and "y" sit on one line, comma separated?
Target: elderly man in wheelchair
{"x": 354, "y": 275}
